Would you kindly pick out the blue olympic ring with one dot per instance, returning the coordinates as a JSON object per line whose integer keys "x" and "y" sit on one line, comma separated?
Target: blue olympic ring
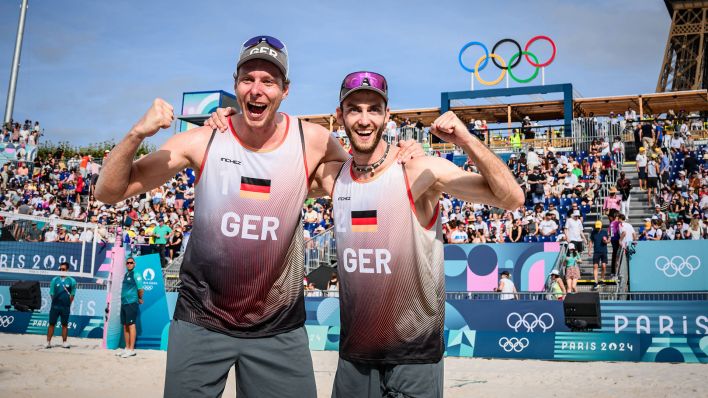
{"x": 468, "y": 45}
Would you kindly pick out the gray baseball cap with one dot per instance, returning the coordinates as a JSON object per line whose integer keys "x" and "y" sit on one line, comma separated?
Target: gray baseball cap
{"x": 267, "y": 48}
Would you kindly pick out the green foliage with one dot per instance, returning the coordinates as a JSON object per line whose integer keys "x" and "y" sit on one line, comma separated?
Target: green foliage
{"x": 64, "y": 148}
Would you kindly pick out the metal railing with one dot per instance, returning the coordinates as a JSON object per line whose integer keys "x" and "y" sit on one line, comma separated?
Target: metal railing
{"x": 622, "y": 286}
{"x": 320, "y": 250}
{"x": 559, "y": 265}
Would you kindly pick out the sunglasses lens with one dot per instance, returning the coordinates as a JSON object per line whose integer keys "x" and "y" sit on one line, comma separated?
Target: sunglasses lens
{"x": 357, "y": 79}
{"x": 272, "y": 41}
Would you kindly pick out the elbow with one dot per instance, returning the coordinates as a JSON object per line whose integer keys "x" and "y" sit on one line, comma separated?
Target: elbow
{"x": 515, "y": 199}
{"x": 106, "y": 197}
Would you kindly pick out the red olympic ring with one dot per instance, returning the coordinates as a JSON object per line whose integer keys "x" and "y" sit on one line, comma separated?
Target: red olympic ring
{"x": 553, "y": 56}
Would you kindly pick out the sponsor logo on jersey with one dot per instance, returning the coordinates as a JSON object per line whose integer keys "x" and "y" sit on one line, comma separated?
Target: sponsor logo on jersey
{"x": 364, "y": 221}
{"x": 232, "y": 161}
{"x": 255, "y": 188}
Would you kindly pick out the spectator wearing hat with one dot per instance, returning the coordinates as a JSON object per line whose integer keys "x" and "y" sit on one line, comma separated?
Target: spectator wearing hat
{"x": 574, "y": 231}
{"x": 572, "y": 268}
{"x": 642, "y": 161}
{"x": 557, "y": 287}
{"x": 506, "y": 287}
{"x": 612, "y": 203}
{"x": 599, "y": 241}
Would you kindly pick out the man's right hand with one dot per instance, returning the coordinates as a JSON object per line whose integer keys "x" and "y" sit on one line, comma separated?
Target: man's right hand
{"x": 220, "y": 118}
{"x": 159, "y": 116}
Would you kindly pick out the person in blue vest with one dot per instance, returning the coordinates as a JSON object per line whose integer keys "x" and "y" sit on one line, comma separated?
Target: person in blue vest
{"x": 131, "y": 296}
{"x": 62, "y": 291}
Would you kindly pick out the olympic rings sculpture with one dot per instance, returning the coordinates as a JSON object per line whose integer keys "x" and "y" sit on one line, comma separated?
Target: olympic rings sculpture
{"x": 513, "y": 62}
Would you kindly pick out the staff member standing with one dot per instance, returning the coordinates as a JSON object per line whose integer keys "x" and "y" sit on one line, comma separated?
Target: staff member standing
{"x": 62, "y": 291}
{"x": 131, "y": 296}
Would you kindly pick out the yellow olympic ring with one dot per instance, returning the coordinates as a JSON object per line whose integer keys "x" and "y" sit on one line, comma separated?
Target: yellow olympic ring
{"x": 493, "y": 82}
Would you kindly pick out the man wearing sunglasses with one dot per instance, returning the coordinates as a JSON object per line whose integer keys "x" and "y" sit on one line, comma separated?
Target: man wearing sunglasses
{"x": 62, "y": 291}
{"x": 390, "y": 247}
{"x": 241, "y": 299}
{"x": 131, "y": 296}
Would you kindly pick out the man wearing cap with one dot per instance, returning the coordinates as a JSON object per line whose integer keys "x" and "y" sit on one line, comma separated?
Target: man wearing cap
{"x": 392, "y": 344}
{"x": 599, "y": 240}
{"x": 574, "y": 231}
{"x": 241, "y": 297}
{"x": 641, "y": 161}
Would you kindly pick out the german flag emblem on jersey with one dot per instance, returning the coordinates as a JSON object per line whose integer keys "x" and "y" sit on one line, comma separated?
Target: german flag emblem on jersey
{"x": 255, "y": 188}
{"x": 364, "y": 221}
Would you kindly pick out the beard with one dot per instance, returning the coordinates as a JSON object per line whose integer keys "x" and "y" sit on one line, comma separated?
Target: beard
{"x": 366, "y": 148}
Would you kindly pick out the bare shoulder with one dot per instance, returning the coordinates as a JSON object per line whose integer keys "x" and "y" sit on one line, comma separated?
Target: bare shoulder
{"x": 192, "y": 143}
{"x": 417, "y": 166}
{"x": 315, "y": 134}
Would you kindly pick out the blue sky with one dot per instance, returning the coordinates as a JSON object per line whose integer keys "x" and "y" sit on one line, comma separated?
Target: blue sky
{"x": 91, "y": 68}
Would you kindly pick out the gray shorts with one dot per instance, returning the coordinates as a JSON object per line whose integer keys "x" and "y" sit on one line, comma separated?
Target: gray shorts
{"x": 355, "y": 380}
{"x": 198, "y": 363}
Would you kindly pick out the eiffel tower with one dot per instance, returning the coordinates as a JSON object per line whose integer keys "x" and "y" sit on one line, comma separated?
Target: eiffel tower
{"x": 685, "y": 58}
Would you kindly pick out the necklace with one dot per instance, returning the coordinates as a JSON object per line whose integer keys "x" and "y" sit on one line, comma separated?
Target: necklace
{"x": 373, "y": 166}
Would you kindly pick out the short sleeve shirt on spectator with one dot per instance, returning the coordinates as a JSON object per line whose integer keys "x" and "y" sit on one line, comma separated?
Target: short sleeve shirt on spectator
{"x": 161, "y": 232}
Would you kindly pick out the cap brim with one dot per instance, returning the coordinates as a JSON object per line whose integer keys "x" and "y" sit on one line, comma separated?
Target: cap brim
{"x": 264, "y": 57}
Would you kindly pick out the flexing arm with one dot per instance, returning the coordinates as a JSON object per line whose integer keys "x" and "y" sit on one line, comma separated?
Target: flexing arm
{"x": 121, "y": 177}
{"x": 494, "y": 185}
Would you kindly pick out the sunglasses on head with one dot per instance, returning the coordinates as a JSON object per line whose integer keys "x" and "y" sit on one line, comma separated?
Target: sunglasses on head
{"x": 272, "y": 41}
{"x": 363, "y": 78}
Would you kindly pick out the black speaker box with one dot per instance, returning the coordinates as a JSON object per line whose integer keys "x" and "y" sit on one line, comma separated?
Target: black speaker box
{"x": 582, "y": 311}
{"x": 26, "y": 296}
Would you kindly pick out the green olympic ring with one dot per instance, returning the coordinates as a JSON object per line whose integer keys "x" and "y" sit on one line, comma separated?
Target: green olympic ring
{"x": 511, "y": 62}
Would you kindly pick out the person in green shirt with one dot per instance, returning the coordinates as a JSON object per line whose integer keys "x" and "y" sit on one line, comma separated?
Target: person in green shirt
{"x": 161, "y": 233}
{"x": 62, "y": 291}
{"x": 131, "y": 296}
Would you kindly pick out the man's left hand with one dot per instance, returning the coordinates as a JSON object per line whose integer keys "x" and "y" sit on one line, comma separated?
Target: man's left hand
{"x": 140, "y": 301}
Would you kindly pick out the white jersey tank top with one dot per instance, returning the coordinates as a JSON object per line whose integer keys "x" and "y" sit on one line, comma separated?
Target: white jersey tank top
{"x": 392, "y": 283}
{"x": 243, "y": 266}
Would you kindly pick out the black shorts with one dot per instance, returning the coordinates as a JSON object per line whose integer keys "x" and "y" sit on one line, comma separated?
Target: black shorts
{"x": 642, "y": 173}
{"x": 59, "y": 311}
{"x": 129, "y": 314}
{"x": 578, "y": 246}
{"x": 652, "y": 182}
{"x": 599, "y": 258}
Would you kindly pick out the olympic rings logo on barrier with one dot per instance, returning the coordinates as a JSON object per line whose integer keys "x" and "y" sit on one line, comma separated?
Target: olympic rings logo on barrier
{"x": 6, "y": 320}
{"x": 510, "y": 344}
{"x": 677, "y": 265}
{"x": 513, "y": 62}
{"x": 530, "y": 321}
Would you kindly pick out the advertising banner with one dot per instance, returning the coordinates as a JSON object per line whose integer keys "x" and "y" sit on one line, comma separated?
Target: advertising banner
{"x": 154, "y": 316}
{"x": 37, "y": 323}
{"x": 661, "y": 266}
{"x": 477, "y": 266}
{"x": 40, "y": 260}
{"x": 655, "y": 317}
{"x": 646, "y": 331}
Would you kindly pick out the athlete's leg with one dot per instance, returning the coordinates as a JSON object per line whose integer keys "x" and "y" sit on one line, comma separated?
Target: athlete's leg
{"x": 276, "y": 366}
{"x": 356, "y": 380}
{"x": 198, "y": 361}
{"x": 415, "y": 380}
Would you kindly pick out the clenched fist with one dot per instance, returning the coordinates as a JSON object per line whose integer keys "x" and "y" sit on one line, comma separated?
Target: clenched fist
{"x": 449, "y": 128}
{"x": 159, "y": 116}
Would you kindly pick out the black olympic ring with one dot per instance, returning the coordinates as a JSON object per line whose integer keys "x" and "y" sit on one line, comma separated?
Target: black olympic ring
{"x": 518, "y": 59}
